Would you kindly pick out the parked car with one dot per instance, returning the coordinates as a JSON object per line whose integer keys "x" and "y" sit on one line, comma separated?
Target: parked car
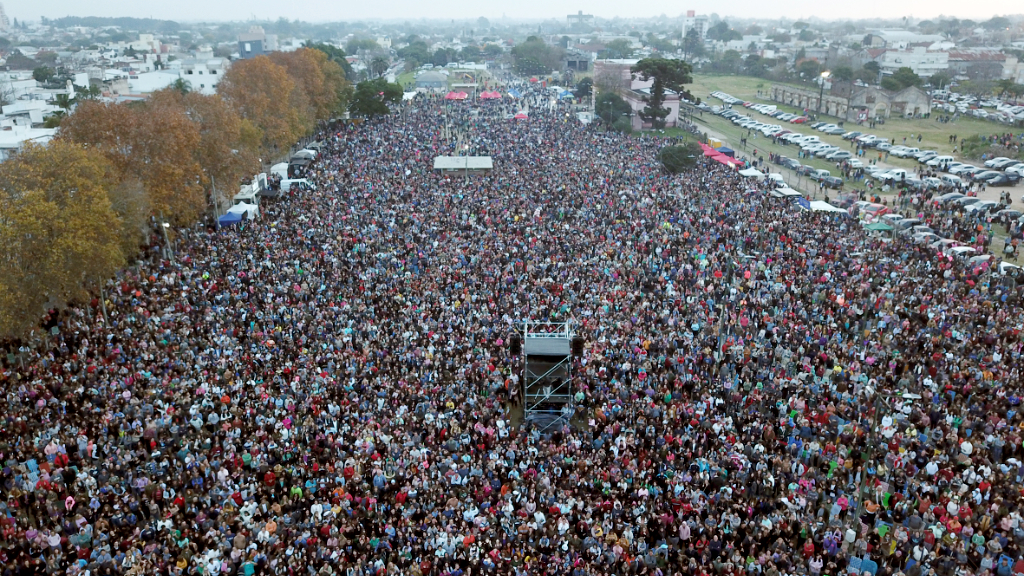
{"x": 819, "y": 174}
{"x": 982, "y": 207}
{"x": 833, "y": 182}
{"x": 995, "y": 162}
{"x": 1002, "y": 180}
{"x": 839, "y": 155}
{"x": 883, "y": 146}
{"x": 946, "y": 198}
{"x": 852, "y": 135}
{"x": 804, "y": 170}
{"x": 791, "y": 164}
{"x": 799, "y": 120}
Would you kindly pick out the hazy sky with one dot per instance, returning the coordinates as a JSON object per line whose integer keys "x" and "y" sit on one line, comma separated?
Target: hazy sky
{"x": 334, "y": 10}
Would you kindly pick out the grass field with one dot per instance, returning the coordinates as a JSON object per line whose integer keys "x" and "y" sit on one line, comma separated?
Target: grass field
{"x": 935, "y": 136}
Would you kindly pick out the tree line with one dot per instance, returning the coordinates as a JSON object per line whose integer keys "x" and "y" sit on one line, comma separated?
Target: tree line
{"x": 78, "y": 209}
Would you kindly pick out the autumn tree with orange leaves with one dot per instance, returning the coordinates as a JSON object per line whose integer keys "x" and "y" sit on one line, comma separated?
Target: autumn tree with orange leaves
{"x": 60, "y": 234}
{"x": 261, "y": 92}
{"x": 152, "y": 144}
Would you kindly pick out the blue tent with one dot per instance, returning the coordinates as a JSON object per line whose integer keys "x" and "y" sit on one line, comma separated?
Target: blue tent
{"x": 565, "y": 94}
{"x": 514, "y": 93}
{"x": 229, "y": 219}
{"x": 727, "y": 151}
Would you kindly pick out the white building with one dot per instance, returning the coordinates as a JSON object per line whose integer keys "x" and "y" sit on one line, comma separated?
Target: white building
{"x": 922, "y": 61}
{"x": 15, "y": 132}
{"x": 700, "y": 23}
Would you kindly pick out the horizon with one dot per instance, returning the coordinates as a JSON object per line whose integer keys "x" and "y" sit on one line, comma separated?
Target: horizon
{"x": 530, "y": 11}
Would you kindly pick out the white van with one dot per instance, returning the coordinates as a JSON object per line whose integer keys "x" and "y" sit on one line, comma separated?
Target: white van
{"x": 950, "y": 180}
{"x": 302, "y": 183}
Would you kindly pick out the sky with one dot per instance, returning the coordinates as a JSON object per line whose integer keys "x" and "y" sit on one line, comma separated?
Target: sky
{"x": 348, "y": 10}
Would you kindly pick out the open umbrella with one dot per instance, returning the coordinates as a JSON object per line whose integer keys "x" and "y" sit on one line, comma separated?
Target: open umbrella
{"x": 534, "y": 79}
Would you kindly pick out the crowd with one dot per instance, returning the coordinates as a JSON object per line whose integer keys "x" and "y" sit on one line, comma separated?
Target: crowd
{"x": 330, "y": 389}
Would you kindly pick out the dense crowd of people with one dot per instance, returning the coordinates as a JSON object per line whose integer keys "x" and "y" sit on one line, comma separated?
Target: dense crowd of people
{"x": 330, "y": 389}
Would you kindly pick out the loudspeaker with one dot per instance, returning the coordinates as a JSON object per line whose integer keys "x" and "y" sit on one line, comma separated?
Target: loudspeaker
{"x": 577, "y": 346}
{"x": 516, "y": 344}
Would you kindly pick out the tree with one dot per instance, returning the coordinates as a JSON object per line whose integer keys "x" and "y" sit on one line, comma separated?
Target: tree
{"x": 584, "y": 87}
{"x": 336, "y": 55}
{"x": 996, "y": 23}
{"x": 379, "y": 65}
{"x": 152, "y": 144}
{"x": 181, "y": 86}
{"x": 320, "y": 80}
{"x": 754, "y": 30}
{"x": 46, "y": 57}
{"x": 782, "y": 38}
{"x": 416, "y": 52}
{"x": 842, "y": 73}
{"x": 873, "y": 67}
{"x": 666, "y": 75}
{"x": 42, "y": 74}
{"x": 693, "y": 46}
{"x": 809, "y": 68}
{"x": 59, "y": 233}
{"x": 372, "y": 97}
{"x": 228, "y": 146}
{"x": 261, "y": 92}
{"x": 900, "y": 79}
{"x": 806, "y": 36}
{"x": 611, "y": 107}
{"x": 618, "y": 48}
{"x": 939, "y": 80}
{"x": 676, "y": 159}
{"x": 534, "y": 57}
{"x": 356, "y": 44}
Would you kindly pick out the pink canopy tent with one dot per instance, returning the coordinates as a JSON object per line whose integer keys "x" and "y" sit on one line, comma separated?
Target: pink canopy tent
{"x": 451, "y": 96}
{"x": 521, "y": 116}
{"x": 489, "y": 95}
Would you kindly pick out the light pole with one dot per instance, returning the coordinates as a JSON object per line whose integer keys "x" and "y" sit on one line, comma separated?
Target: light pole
{"x": 821, "y": 92}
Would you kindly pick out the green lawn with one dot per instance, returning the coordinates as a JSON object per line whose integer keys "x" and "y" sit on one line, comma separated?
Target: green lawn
{"x": 935, "y": 136}
{"x": 406, "y": 79}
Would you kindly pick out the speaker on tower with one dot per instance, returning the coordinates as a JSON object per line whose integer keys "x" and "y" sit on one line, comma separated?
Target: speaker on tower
{"x": 577, "y": 346}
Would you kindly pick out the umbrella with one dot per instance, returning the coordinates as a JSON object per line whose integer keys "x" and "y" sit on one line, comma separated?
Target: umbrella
{"x": 521, "y": 116}
{"x": 878, "y": 226}
{"x": 534, "y": 79}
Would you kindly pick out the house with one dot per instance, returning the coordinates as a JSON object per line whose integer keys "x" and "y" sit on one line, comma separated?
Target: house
{"x": 203, "y": 73}
{"x": 856, "y": 103}
{"x": 980, "y": 63}
{"x": 15, "y": 132}
{"x": 576, "y": 59}
{"x": 252, "y": 43}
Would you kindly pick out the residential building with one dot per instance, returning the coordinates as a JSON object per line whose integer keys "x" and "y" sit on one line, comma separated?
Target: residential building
{"x": 252, "y": 43}
{"x": 580, "y": 19}
{"x": 693, "y": 22}
{"x": 980, "y": 63}
{"x": 15, "y": 132}
{"x": 922, "y": 61}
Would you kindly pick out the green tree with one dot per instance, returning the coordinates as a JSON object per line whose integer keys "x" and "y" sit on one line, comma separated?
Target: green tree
{"x": 584, "y": 87}
{"x": 181, "y": 85}
{"x": 42, "y": 74}
{"x": 873, "y": 67}
{"x": 997, "y": 23}
{"x": 842, "y": 73}
{"x": 372, "y": 97}
{"x": 534, "y": 57}
{"x": 676, "y": 159}
{"x": 782, "y": 38}
{"x": 806, "y": 36}
{"x": 416, "y": 52}
{"x": 666, "y": 75}
{"x": 356, "y": 44}
{"x": 900, "y": 79}
{"x": 809, "y": 69}
{"x": 940, "y": 80}
{"x": 618, "y": 48}
{"x": 379, "y": 65}
{"x": 611, "y": 107}
{"x": 693, "y": 46}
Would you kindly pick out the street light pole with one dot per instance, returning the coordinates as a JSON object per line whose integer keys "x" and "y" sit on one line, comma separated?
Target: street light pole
{"x": 821, "y": 92}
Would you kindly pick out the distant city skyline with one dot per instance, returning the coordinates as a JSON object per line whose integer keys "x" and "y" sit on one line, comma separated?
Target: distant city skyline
{"x": 348, "y": 10}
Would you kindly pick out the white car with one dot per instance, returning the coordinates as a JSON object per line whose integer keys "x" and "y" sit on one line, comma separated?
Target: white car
{"x": 855, "y": 163}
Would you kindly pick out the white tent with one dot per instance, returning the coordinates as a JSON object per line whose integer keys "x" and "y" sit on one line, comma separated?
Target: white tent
{"x": 409, "y": 95}
{"x": 304, "y": 153}
{"x": 820, "y": 206}
{"x": 249, "y": 211}
{"x": 280, "y": 169}
{"x": 752, "y": 173}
